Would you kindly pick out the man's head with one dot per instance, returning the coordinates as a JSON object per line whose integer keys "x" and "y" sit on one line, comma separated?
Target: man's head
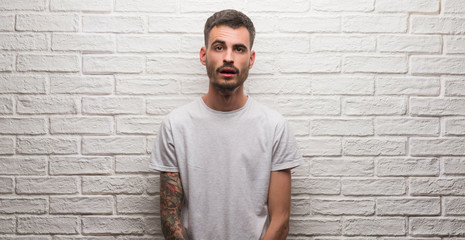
{"x": 231, "y": 18}
{"x": 228, "y": 53}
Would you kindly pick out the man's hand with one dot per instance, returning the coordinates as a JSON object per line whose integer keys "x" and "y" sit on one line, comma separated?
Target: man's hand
{"x": 171, "y": 200}
{"x": 279, "y": 205}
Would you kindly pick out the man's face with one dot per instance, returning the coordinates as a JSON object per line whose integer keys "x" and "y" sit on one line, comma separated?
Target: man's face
{"x": 228, "y": 57}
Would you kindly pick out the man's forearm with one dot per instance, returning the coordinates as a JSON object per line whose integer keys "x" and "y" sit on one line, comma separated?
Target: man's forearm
{"x": 171, "y": 200}
{"x": 278, "y": 230}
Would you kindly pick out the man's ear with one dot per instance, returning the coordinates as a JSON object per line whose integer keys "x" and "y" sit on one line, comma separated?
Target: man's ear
{"x": 252, "y": 58}
{"x": 203, "y": 56}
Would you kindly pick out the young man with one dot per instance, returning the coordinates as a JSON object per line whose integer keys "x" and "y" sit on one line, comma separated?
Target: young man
{"x": 225, "y": 159}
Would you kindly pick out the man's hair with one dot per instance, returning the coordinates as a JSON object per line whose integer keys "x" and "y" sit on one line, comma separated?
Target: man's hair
{"x": 230, "y": 18}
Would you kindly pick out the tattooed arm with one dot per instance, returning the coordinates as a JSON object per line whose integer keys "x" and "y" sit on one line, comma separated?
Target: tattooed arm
{"x": 171, "y": 200}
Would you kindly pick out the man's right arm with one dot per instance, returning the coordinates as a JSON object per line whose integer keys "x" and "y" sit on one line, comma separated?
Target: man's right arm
{"x": 171, "y": 200}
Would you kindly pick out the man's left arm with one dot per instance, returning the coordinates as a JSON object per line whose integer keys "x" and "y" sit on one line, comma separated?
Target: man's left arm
{"x": 279, "y": 205}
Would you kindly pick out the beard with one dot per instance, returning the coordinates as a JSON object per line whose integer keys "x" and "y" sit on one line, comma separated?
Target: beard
{"x": 226, "y": 84}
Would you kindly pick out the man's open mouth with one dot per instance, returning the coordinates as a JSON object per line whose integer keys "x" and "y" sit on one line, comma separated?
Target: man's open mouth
{"x": 228, "y": 71}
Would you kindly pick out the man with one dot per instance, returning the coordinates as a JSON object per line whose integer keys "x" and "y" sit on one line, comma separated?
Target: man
{"x": 225, "y": 159}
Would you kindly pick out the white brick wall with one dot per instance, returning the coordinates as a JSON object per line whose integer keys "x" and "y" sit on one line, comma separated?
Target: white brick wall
{"x": 373, "y": 89}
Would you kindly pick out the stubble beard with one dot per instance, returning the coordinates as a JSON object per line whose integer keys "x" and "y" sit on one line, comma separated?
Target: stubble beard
{"x": 229, "y": 85}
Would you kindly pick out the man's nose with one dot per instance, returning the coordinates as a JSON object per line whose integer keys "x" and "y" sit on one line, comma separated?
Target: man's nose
{"x": 228, "y": 56}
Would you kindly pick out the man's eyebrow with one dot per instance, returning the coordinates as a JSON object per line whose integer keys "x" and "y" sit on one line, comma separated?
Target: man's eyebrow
{"x": 218, "y": 41}
{"x": 240, "y": 45}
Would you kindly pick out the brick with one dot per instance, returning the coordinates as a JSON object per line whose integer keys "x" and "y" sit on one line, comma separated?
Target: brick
{"x": 138, "y": 204}
{"x": 349, "y": 167}
{"x": 454, "y": 165}
{"x": 23, "y": 166}
{"x": 343, "y": 6}
{"x": 6, "y": 105}
{"x": 375, "y": 64}
{"x": 153, "y": 185}
{"x": 437, "y": 65}
{"x": 137, "y": 125}
{"x": 315, "y": 226}
{"x": 48, "y": 225}
{"x": 32, "y": 5}
{"x": 407, "y": 126}
{"x": 113, "y": 185}
{"x": 163, "y": 106}
{"x": 309, "y": 24}
{"x": 437, "y": 186}
{"x": 80, "y": 165}
{"x": 407, "y": 167}
{"x": 48, "y": 63}
{"x": 278, "y": 6}
{"x": 266, "y": 65}
{"x": 191, "y": 43}
{"x": 309, "y": 106}
{"x": 342, "y": 127}
{"x": 321, "y": 186}
{"x": 7, "y": 145}
{"x": 148, "y": 43}
{"x": 176, "y": 24}
{"x": 454, "y": 206}
{"x": 437, "y": 25}
{"x": 417, "y": 6}
{"x": 112, "y": 225}
{"x": 198, "y": 85}
{"x": 454, "y": 126}
{"x": 133, "y": 164}
{"x": 7, "y": 22}
{"x": 31, "y": 126}
{"x": 267, "y": 23}
{"x": 454, "y": 86}
{"x": 6, "y": 185}
{"x": 343, "y": 207}
{"x": 152, "y": 226}
{"x": 113, "y": 145}
{"x": 299, "y": 127}
{"x": 437, "y": 146}
{"x": 7, "y": 224}
{"x": 392, "y": 85}
{"x": 83, "y": 42}
{"x": 338, "y": 43}
{"x": 375, "y": 23}
{"x": 408, "y": 206}
{"x": 22, "y": 84}
{"x": 171, "y": 65}
{"x": 453, "y": 6}
{"x": 146, "y": 85}
{"x": 359, "y": 106}
{"x": 387, "y": 226}
{"x": 454, "y": 44}
{"x": 277, "y": 44}
{"x": 158, "y": 6}
{"x": 56, "y": 237}
{"x": 46, "y": 185}
{"x": 23, "y": 41}
{"x": 81, "y": 125}
{"x": 108, "y": 64}
{"x": 342, "y": 85}
{"x": 81, "y": 5}
{"x": 23, "y": 205}
{"x": 258, "y": 85}
{"x": 6, "y": 62}
{"x": 81, "y": 205}
{"x": 376, "y": 187}
{"x": 309, "y": 64}
{"x": 113, "y": 105}
{"x": 113, "y": 24}
{"x": 437, "y": 106}
{"x": 47, "y": 145}
{"x": 82, "y": 85}
{"x": 430, "y": 226}
{"x": 374, "y": 146}
{"x": 416, "y": 44}
{"x": 300, "y": 206}
{"x": 320, "y": 146}
{"x": 47, "y": 22}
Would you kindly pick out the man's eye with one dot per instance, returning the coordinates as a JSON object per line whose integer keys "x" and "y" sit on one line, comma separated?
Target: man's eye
{"x": 240, "y": 49}
{"x": 218, "y": 48}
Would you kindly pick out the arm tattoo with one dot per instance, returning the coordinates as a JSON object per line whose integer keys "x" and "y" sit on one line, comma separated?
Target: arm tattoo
{"x": 171, "y": 200}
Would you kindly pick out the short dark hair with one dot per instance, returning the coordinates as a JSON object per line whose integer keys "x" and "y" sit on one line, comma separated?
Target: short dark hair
{"x": 231, "y": 18}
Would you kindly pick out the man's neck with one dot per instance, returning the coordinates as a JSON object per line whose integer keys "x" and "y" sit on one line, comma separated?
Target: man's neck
{"x": 225, "y": 101}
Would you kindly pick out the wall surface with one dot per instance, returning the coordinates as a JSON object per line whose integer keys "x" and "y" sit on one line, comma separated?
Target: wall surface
{"x": 374, "y": 90}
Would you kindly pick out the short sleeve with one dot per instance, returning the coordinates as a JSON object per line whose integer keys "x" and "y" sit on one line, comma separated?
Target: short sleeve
{"x": 286, "y": 153}
{"x": 163, "y": 157}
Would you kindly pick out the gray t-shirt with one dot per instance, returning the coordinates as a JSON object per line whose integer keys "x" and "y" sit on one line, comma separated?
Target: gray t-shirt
{"x": 225, "y": 160}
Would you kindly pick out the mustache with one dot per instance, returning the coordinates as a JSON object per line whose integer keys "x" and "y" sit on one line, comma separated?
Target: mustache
{"x": 229, "y": 65}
